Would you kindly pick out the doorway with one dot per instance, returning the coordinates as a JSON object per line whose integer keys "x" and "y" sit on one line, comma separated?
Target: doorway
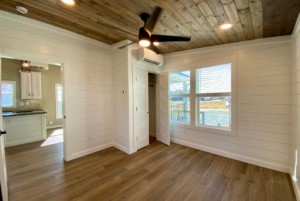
{"x": 152, "y": 107}
{"x": 23, "y": 113}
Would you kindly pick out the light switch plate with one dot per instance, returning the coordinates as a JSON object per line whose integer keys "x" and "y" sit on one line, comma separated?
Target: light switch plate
{"x": 21, "y": 103}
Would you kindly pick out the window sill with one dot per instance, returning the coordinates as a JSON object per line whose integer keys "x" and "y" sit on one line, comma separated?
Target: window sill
{"x": 205, "y": 129}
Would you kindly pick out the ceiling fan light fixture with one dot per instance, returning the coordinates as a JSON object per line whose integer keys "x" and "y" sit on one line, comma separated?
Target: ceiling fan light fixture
{"x": 226, "y": 26}
{"x": 156, "y": 43}
{"x": 144, "y": 43}
{"x": 69, "y": 2}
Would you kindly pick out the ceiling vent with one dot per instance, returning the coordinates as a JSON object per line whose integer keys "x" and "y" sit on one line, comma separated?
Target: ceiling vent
{"x": 39, "y": 65}
{"x": 149, "y": 57}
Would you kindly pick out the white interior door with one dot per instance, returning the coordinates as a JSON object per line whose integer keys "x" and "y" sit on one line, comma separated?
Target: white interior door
{"x": 163, "y": 113}
{"x": 3, "y": 174}
{"x": 141, "y": 108}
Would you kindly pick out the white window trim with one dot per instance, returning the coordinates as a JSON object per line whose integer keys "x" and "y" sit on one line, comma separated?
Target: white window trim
{"x": 56, "y": 102}
{"x": 203, "y": 64}
{"x": 14, "y": 93}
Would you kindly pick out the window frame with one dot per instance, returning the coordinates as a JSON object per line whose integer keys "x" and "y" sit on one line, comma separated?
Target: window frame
{"x": 181, "y": 96}
{"x": 193, "y": 96}
{"x": 14, "y": 93}
{"x": 56, "y": 101}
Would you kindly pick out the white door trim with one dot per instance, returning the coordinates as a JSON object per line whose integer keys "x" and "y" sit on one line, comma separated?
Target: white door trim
{"x": 3, "y": 173}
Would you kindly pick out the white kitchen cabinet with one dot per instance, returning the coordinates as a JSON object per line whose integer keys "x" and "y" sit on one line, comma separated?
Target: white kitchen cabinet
{"x": 36, "y": 85}
{"x": 31, "y": 85}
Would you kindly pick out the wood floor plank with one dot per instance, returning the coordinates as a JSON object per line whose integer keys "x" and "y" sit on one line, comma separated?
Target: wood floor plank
{"x": 156, "y": 172}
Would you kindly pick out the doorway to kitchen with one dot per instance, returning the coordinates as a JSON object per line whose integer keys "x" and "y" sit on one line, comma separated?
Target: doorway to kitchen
{"x": 31, "y": 102}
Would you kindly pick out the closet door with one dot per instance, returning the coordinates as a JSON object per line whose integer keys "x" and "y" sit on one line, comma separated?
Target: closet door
{"x": 36, "y": 85}
{"x": 163, "y": 112}
{"x": 141, "y": 104}
{"x": 25, "y": 85}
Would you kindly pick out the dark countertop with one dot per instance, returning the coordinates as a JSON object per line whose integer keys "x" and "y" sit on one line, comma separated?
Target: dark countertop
{"x": 20, "y": 113}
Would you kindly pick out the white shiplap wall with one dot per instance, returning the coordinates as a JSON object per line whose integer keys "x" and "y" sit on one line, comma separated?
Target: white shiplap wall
{"x": 120, "y": 99}
{"x": 295, "y": 166}
{"x": 264, "y": 103}
{"x": 87, "y": 72}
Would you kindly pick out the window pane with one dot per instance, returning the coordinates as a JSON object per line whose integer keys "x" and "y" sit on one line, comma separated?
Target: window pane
{"x": 59, "y": 101}
{"x": 180, "y": 109}
{"x": 214, "y": 79}
{"x": 59, "y": 93}
{"x": 214, "y": 111}
{"x": 7, "y": 88}
{"x": 7, "y": 100}
{"x": 59, "y": 108}
{"x": 180, "y": 83}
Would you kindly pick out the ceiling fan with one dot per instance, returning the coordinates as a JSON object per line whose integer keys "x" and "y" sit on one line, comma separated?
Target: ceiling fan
{"x": 149, "y": 40}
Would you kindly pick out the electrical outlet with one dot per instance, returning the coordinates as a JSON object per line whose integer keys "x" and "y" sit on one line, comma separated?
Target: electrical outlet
{"x": 21, "y": 103}
{"x": 51, "y": 122}
{"x": 27, "y": 103}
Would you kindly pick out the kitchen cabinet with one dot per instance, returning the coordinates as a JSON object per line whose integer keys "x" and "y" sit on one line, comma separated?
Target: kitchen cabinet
{"x": 31, "y": 85}
{"x": 22, "y": 129}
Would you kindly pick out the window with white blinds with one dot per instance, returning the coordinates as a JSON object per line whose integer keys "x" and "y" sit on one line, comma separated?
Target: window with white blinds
{"x": 214, "y": 79}
{"x": 213, "y": 92}
{"x": 202, "y": 96}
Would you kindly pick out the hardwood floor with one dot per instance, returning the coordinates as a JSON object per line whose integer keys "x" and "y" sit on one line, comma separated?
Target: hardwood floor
{"x": 157, "y": 172}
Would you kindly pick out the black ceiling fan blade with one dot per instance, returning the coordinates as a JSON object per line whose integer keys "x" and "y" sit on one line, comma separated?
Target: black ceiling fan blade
{"x": 165, "y": 38}
{"x": 153, "y": 48}
{"x": 152, "y": 21}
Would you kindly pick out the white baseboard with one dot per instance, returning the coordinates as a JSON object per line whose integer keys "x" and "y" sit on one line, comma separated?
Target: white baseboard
{"x": 152, "y": 134}
{"x": 121, "y": 147}
{"x": 91, "y": 150}
{"x": 57, "y": 126}
{"x": 295, "y": 186}
{"x": 7, "y": 144}
{"x": 239, "y": 157}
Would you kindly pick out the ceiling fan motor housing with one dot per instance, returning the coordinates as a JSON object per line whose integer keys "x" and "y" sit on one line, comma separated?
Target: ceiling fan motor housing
{"x": 145, "y": 17}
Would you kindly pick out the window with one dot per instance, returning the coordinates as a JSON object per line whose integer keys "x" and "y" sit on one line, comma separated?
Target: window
{"x": 8, "y": 94}
{"x": 202, "y": 96}
{"x": 179, "y": 96}
{"x": 58, "y": 100}
{"x": 213, "y": 95}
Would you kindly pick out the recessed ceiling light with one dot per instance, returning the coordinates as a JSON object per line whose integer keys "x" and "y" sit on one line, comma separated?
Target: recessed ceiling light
{"x": 22, "y": 9}
{"x": 226, "y": 26}
{"x": 70, "y": 2}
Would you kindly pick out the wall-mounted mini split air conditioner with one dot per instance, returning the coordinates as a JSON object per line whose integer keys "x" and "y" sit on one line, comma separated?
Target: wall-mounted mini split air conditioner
{"x": 149, "y": 57}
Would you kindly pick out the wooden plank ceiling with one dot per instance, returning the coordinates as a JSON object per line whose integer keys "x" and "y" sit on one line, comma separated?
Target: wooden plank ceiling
{"x": 111, "y": 21}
